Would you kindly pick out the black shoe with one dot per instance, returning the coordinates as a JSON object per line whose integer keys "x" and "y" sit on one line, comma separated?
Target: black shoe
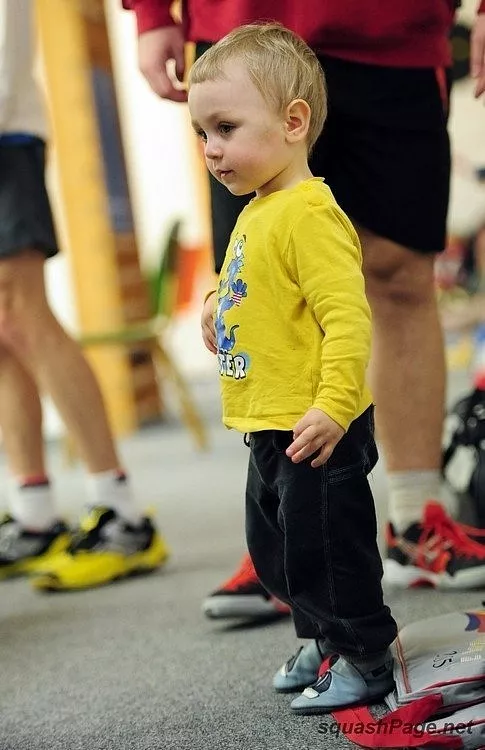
{"x": 436, "y": 552}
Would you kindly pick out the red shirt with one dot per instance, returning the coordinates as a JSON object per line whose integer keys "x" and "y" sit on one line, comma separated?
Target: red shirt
{"x": 402, "y": 33}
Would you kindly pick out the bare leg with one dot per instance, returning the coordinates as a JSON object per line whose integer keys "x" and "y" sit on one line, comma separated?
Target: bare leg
{"x": 32, "y": 334}
{"x": 31, "y": 501}
{"x": 20, "y": 419}
{"x": 408, "y": 364}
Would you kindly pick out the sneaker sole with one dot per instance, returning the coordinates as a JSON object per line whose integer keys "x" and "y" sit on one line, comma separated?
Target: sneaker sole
{"x": 30, "y": 565}
{"x": 226, "y": 607}
{"x": 410, "y": 576}
{"x": 328, "y": 709}
{"x": 50, "y": 583}
{"x": 296, "y": 688}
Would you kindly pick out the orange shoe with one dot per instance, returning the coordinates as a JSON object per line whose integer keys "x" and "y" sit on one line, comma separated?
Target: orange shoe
{"x": 243, "y": 596}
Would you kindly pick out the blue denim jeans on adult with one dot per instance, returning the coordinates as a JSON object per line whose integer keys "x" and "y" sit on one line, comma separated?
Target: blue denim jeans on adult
{"x": 312, "y": 534}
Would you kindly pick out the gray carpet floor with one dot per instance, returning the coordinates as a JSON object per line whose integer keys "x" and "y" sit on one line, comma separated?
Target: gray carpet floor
{"x": 136, "y": 666}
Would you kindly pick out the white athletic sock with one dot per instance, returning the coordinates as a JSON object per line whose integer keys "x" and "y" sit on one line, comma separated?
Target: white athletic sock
{"x": 409, "y": 491}
{"x": 112, "y": 489}
{"x": 31, "y": 503}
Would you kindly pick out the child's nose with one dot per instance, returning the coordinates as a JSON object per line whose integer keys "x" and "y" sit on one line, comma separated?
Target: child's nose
{"x": 212, "y": 149}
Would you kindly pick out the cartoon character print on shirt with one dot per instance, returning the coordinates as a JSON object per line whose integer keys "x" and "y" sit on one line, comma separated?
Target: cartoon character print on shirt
{"x": 232, "y": 291}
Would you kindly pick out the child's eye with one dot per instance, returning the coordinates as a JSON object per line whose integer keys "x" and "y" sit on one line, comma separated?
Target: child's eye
{"x": 202, "y": 135}
{"x": 225, "y": 129}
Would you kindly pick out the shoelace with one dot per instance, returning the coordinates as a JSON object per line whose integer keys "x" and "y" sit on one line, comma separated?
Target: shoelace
{"x": 438, "y": 527}
{"x": 244, "y": 575}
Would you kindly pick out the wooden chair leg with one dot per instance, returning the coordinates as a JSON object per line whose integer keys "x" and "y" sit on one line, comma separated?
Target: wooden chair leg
{"x": 190, "y": 413}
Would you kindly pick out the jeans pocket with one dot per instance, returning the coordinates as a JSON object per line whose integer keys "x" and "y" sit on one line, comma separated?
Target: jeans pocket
{"x": 356, "y": 453}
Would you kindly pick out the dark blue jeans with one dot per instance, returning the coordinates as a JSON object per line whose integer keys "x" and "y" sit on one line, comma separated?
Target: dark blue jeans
{"x": 311, "y": 534}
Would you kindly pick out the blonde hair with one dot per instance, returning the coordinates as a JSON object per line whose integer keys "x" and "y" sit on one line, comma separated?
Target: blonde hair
{"x": 280, "y": 64}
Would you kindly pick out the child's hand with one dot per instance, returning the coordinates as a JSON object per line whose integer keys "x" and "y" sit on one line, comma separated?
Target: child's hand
{"x": 207, "y": 323}
{"x": 315, "y": 430}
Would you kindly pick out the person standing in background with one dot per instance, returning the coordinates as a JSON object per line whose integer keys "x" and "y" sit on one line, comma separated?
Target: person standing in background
{"x": 37, "y": 355}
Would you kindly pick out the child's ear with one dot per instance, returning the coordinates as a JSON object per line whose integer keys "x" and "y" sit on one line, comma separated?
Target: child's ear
{"x": 297, "y": 120}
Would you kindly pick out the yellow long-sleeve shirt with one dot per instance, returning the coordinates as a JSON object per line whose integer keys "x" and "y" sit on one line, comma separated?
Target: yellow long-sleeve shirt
{"x": 292, "y": 321}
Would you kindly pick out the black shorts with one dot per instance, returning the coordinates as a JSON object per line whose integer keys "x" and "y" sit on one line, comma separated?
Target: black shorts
{"x": 25, "y": 213}
{"x": 384, "y": 152}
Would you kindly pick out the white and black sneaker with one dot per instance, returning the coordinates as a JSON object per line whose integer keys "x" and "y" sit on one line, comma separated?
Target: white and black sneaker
{"x": 23, "y": 551}
{"x": 104, "y": 549}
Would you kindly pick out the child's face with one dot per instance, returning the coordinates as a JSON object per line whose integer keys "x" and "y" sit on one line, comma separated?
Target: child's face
{"x": 244, "y": 138}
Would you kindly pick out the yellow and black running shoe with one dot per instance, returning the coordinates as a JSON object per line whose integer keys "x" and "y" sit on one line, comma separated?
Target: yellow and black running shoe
{"x": 22, "y": 551}
{"x": 104, "y": 549}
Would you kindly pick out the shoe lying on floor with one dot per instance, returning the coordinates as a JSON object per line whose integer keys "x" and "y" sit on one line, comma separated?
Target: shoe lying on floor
{"x": 301, "y": 670}
{"x": 105, "y": 549}
{"x": 23, "y": 551}
{"x": 340, "y": 684}
{"x": 438, "y": 551}
{"x": 243, "y": 595}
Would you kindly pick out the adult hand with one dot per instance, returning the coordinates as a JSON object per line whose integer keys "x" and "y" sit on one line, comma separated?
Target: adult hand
{"x": 207, "y": 324}
{"x": 477, "y": 54}
{"x": 316, "y": 430}
{"x": 155, "y": 49}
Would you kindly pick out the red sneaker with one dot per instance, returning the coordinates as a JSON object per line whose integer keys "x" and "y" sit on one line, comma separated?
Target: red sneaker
{"x": 243, "y": 595}
{"x": 436, "y": 552}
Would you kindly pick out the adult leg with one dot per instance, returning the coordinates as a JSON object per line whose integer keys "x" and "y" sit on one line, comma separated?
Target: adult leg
{"x": 406, "y": 332}
{"x": 51, "y": 361}
{"x": 31, "y": 534}
{"x": 31, "y": 502}
{"x": 32, "y": 334}
{"x": 423, "y": 544}
{"x": 20, "y": 419}
{"x": 386, "y": 128}
{"x": 385, "y": 153}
